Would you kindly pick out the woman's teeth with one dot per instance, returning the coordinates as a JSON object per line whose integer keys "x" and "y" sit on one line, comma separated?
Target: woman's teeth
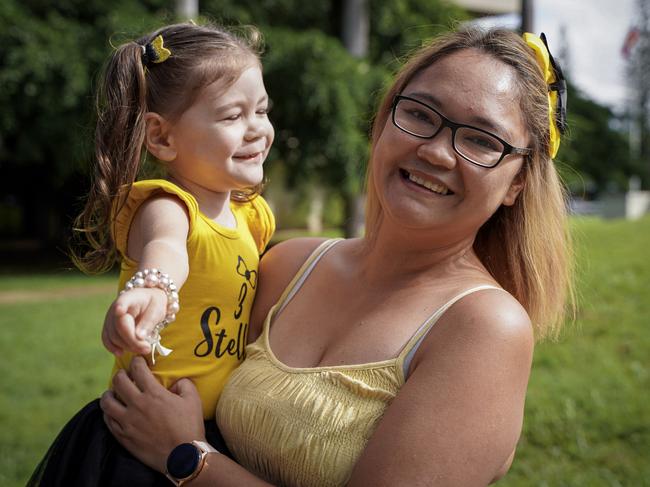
{"x": 431, "y": 186}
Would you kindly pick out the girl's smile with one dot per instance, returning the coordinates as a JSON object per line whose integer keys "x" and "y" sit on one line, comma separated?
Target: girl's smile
{"x": 222, "y": 140}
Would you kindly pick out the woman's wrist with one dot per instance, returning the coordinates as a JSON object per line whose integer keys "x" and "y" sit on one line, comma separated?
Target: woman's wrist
{"x": 187, "y": 461}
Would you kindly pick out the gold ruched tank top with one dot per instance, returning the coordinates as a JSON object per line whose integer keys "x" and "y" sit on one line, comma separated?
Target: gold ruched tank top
{"x": 308, "y": 426}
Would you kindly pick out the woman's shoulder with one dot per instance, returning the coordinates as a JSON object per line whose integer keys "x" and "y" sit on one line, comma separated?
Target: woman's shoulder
{"x": 278, "y": 267}
{"x": 493, "y": 312}
{"x": 489, "y": 324}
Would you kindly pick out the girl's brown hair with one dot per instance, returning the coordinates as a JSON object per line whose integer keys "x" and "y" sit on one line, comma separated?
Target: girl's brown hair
{"x": 526, "y": 247}
{"x": 201, "y": 55}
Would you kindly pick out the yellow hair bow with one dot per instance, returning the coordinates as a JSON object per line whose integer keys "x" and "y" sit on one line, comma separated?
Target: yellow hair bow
{"x": 155, "y": 51}
{"x": 556, "y": 89}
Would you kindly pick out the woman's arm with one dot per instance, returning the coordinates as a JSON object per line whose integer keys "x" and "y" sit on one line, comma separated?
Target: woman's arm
{"x": 149, "y": 421}
{"x": 457, "y": 419}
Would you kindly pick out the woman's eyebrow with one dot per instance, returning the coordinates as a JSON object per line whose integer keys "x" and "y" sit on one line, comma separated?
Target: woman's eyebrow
{"x": 478, "y": 120}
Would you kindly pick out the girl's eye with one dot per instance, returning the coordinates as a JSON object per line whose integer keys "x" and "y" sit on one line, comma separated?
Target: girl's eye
{"x": 263, "y": 111}
{"x": 234, "y": 116}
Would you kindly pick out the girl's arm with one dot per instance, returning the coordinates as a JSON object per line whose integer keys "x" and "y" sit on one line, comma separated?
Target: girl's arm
{"x": 157, "y": 239}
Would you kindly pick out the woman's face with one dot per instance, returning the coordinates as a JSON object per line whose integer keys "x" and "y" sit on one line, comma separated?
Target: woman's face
{"x": 423, "y": 183}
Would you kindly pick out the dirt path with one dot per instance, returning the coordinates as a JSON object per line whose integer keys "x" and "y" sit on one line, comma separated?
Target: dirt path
{"x": 24, "y": 296}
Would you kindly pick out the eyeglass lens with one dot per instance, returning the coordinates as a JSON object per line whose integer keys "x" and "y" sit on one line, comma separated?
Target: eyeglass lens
{"x": 475, "y": 145}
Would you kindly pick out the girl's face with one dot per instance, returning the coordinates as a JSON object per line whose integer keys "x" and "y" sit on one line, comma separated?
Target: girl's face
{"x": 424, "y": 184}
{"x": 223, "y": 138}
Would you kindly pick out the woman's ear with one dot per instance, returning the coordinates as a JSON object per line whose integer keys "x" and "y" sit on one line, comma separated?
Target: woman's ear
{"x": 157, "y": 137}
{"x": 515, "y": 188}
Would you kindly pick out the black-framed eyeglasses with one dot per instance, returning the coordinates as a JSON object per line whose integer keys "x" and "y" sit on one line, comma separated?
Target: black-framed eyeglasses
{"x": 473, "y": 144}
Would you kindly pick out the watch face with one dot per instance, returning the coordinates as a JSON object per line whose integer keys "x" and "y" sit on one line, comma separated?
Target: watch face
{"x": 183, "y": 460}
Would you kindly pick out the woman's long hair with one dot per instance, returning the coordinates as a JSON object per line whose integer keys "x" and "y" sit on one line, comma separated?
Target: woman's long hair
{"x": 526, "y": 247}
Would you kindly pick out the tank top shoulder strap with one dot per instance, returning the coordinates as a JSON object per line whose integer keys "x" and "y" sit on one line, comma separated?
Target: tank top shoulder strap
{"x": 406, "y": 355}
{"x": 304, "y": 271}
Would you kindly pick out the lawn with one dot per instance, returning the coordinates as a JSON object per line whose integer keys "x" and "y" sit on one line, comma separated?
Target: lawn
{"x": 588, "y": 406}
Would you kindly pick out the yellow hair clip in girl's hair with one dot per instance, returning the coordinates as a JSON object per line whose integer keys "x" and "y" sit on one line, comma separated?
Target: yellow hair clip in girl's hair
{"x": 155, "y": 52}
{"x": 557, "y": 93}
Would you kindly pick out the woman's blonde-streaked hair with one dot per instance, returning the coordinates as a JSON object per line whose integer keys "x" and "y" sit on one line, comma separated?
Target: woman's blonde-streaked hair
{"x": 526, "y": 247}
{"x": 200, "y": 55}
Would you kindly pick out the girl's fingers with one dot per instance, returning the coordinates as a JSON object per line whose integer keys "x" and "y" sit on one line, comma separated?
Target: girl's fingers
{"x": 109, "y": 344}
{"x": 152, "y": 314}
{"x": 125, "y": 331}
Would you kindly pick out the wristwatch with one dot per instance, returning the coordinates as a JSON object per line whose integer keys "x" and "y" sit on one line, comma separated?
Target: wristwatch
{"x": 186, "y": 461}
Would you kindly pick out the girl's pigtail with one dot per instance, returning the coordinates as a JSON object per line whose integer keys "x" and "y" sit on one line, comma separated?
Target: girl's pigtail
{"x": 119, "y": 138}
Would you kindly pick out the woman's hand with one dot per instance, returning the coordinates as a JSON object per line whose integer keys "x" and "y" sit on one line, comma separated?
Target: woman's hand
{"x": 149, "y": 420}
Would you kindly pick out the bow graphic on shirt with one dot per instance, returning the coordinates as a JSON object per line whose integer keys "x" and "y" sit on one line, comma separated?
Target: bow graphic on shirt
{"x": 242, "y": 270}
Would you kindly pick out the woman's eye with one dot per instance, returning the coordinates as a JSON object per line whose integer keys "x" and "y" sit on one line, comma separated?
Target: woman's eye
{"x": 263, "y": 111}
{"x": 420, "y": 115}
{"x": 482, "y": 142}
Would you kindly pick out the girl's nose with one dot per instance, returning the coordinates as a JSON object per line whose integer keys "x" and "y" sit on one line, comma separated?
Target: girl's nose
{"x": 257, "y": 127}
{"x": 438, "y": 150}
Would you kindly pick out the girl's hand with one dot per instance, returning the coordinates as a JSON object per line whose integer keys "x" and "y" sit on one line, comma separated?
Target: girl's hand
{"x": 131, "y": 318}
{"x": 147, "y": 419}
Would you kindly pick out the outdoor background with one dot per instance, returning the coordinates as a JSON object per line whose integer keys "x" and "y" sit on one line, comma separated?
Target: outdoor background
{"x": 588, "y": 407}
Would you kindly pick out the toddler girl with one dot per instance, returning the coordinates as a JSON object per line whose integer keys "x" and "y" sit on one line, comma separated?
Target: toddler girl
{"x": 193, "y": 97}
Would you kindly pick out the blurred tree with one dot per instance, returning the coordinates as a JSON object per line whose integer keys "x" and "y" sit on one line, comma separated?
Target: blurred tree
{"x": 594, "y": 156}
{"x": 50, "y": 53}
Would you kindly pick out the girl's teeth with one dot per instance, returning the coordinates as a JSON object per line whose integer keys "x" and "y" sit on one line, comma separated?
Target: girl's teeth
{"x": 436, "y": 188}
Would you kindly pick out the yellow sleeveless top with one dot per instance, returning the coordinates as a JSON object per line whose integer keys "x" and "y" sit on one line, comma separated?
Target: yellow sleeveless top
{"x": 308, "y": 426}
{"x": 210, "y": 332}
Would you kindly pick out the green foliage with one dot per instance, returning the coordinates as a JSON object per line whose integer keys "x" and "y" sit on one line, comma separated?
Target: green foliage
{"x": 400, "y": 26}
{"x": 596, "y": 153}
{"x": 293, "y": 14}
{"x": 320, "y": 94}
{"x": 50, "y": 53}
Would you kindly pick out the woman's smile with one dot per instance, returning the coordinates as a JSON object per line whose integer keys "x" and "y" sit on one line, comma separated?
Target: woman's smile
{"x": 420, "y": 182}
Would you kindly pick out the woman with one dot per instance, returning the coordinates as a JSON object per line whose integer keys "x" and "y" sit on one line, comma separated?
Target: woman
{"x": 347, "y": 380}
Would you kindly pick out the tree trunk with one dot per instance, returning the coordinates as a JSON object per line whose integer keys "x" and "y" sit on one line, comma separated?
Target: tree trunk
{"x": 355, "y": 34}
{"x": 316, "y": 208}
{"x": 527, "y": 16}
{"x": 354, "y": 214}
{"x": 187, "y": 9}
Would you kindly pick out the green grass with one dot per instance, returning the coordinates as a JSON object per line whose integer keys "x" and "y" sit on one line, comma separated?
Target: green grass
{"x": 588, "y": 406}
{"x": 52, "y": 364}
{"x": 587, "y": 417}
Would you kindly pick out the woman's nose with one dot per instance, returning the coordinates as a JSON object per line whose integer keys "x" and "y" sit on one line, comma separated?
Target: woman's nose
{"x": 439, "y": 149}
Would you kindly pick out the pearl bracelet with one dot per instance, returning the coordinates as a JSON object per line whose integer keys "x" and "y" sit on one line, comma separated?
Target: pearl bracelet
{"x": 153, "y": 278}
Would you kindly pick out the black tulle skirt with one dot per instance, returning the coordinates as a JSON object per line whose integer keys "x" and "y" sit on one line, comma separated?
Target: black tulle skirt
{"x": 86, "y": 454}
